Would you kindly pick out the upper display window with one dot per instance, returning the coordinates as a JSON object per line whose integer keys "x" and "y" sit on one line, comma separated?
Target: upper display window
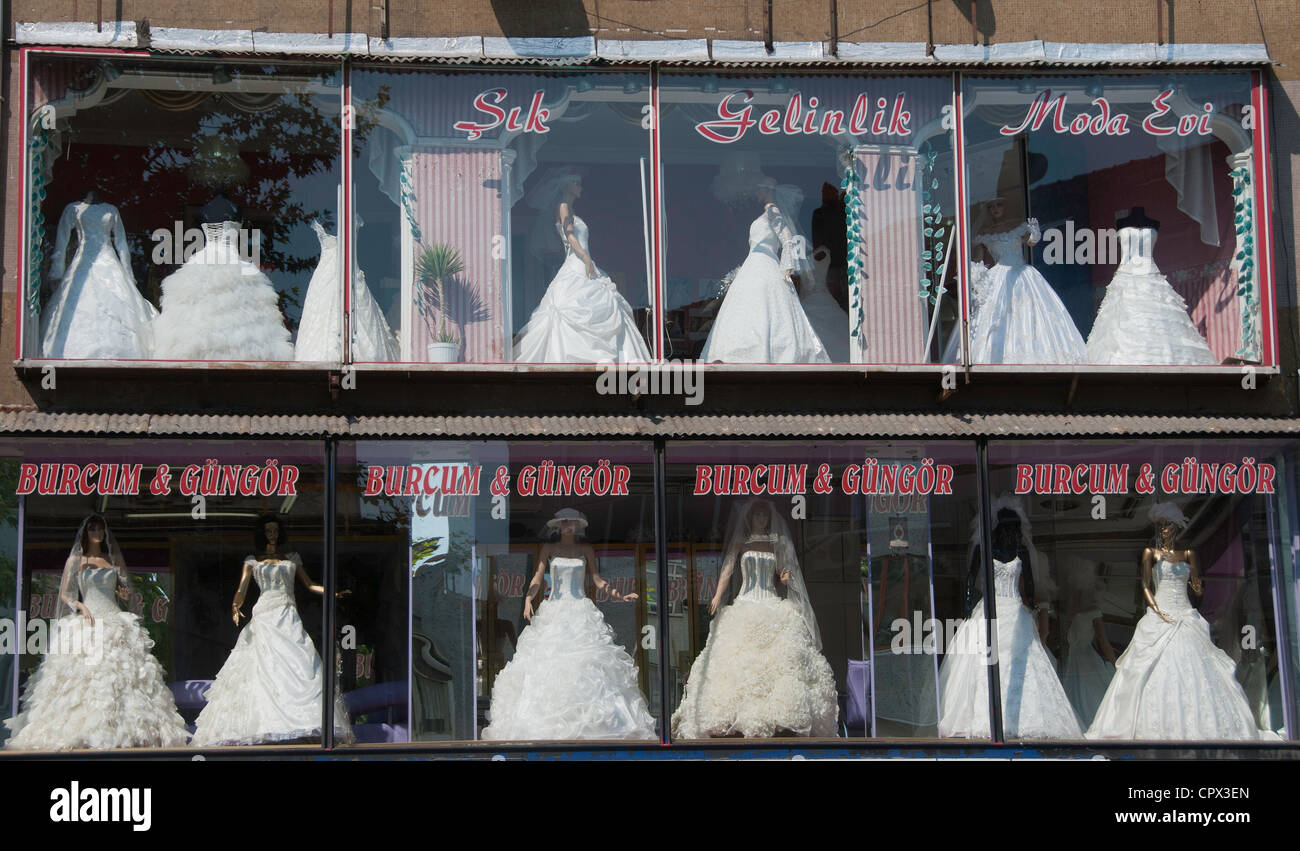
{"x": 1113, "y": 221}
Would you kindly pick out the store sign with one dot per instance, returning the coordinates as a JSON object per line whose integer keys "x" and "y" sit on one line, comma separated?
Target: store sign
{"x": 211, "y": 478}
{"x": 516, "y": 120}
{"x": 1103, "y": 121}
{"x": 1190, "y": 476}
{"x": 872, "y": 476}
{"x": 736, "y": 117}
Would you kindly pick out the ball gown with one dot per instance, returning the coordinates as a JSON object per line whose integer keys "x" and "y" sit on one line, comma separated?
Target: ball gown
{"x": 828, "y": 319}
{"x": 581, "y": 319}
{"x": 320, "y": 330}
{"x": 271, "y": 687}
{"x": 99, "y": 686}
{"x": 568, "y": 679}
{"x": 1020, "y": 318}
{"x": 1142, "y": 320}
{"x": 1084, "y": 673}
{"x": 96, "y": 311}
{"x": 760, "y": 673}
{"x": 1034, "y": 705}
{"x": 1172, "y": 682}
{"x": 761, "y": 319}
{"x": 219, "y": 306}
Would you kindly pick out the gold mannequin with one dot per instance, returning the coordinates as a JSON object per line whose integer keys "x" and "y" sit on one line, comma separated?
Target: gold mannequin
{"x": 1167, "y": 535}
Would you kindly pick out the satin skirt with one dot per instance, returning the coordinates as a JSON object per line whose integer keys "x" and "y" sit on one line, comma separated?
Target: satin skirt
{"x": 1022, "y": 320}
{"x": 581, "y": 320}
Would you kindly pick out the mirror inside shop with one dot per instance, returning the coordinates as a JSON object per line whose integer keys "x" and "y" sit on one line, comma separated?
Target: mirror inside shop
{"x": 177, "y": 594}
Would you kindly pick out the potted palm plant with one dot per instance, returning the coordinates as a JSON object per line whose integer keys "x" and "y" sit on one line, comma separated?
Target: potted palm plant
{"x": 438, "y": 267}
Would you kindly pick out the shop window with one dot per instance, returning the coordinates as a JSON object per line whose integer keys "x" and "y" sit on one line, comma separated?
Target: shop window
{"x": 136, "y": 558}
{"x": 1114, "y": 221}
{"x": 184, "y": 211}
{"x": 507, "y": 213}
{"x": 808, "y": 218}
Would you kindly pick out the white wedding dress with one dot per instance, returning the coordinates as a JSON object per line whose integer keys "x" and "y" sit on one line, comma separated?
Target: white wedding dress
{"x": 99, "y": 686}
{"x": 1172, "y": 682}
{"x": 96, "y": 311}
{"x": 568, "y": 679}
{"x": 581, "y": 319}
{"x": 761, "y": 319}
{"x": 760, "y": 673}
{"x": 219, "y": 306}
{"x": 1142, "y": 320}
{"x": 1019, "y": 318}
{"x": 1034, "y": 705}
{"x": 320, "y": 330}
{"x": 1084, "y": 673}
{"x": 271, "y": 687}
{"x": 828, "y": 319}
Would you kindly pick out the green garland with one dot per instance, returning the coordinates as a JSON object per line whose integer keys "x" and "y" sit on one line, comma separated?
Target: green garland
{"x": 853, "y": 216}
{"x": 1243, "y": 218}
{"x": 932, "y": 287}
{"x": 38, "y": 152}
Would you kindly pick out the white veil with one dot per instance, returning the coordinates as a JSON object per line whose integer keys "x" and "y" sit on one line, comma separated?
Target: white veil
{"x": 789, "y": 200}
{"x": 1164, "y": 512}
{"x": 738, "y": 535}
{"x": 69, "y": 588}
{"x": 1044, "y": 585}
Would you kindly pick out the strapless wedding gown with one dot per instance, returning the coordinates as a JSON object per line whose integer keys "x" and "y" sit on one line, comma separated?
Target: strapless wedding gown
{"x": 761, "y": 319}
{"x": 1084, "y": 673}
{"x": 271, "y": 687}
{"x": 760, "y": 673}
{"x": 320, "y": 330}
{"x": 96, "y": 311}
{"x": 219, "y": 306}
{"x": 1172, "y": 682}
{"x": 1034, "y": 705}
{"x": 1020, "y": 318}
{"x": 581, "y": 319}
{"x": 568, "y": 679}
{"x": 99, "y": 686}
{"x": 1142, "y": 320}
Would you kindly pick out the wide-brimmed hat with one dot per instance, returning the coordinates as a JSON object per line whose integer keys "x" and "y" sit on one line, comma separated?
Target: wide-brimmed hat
{"x": 567, "y": 514}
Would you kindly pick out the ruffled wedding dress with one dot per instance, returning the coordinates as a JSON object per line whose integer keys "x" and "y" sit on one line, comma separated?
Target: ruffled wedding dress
{"x": 96, "y": 311}
{"x": 1020, "y": 318}
{"x": 1142, "y": 320}
{"x": 1172, "y": 682}
{"x": 271, "y": 687}
{"x": 761, "y": 319}
{"x": 219, "y": 306}
{"x": 581, "y": 319}
{"x": 759, "y": 674}
{"x": 568, "y": 679}
{"x": 1084, "y": 673}
{"x": 1034, "y": 705}
{"x": 99, "y": 686}
{"x": 320, "y": 330}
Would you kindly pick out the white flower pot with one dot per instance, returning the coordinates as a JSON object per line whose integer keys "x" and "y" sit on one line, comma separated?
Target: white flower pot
{"x": 444, "y": 352}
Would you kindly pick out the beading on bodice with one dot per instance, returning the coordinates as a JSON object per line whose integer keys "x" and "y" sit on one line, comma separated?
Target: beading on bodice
{"x": 1171, "y": 586}
{"x": 763, "y": 239}
{"x": 1005, "y": 246}
{"x": 567, "y": 578}
{"x": 274, "y": 577}
{"x": 221, "y": 235}
{"x": 98, "y": 586}
{"x": 1137, "y": 251}
{"x": 757, "y": 572}
{"x": 1006, "y": 578}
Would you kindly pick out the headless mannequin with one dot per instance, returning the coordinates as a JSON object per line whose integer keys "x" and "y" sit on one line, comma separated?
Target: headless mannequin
{"x": 1167, "y": 535}
{"x": 1138, "y": 218}
{"x": 219, "y": 209}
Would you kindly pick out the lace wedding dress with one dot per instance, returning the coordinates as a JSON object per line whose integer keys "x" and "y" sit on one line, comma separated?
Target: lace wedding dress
{"x": 1019, "y": 318}
{"x": 1142, "y": 320}
{"x": 271, "y": 687}
{"x": 568, "y": 679}
{"x": 760, "y": 673}
{"x": 219, "y": 306}
{"x": 580, "y": 319}
{"x": 761, "y": 319}
{"x": 1034, "y": 705}
{"x": 99, "y": 686}
{"x": 1172, "y": 682}
{"x": 320, "y": 330}
{"x": 96, "y": 311}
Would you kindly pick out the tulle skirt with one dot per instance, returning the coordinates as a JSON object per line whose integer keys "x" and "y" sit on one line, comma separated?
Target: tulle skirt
{"x": 581, "y": 320}
{"x": 99, "y": 687}
{"x": 1034, "y": 705}
{"x": 762, "y": 321}
{"x": 1142, "y": 320}
{"x": 568, "y": 680}
{"x": 1022, "y": 320}
{"x": 96, "y": 312}
{"x": 759, "y": 675}
{"x": 220, "y": 311}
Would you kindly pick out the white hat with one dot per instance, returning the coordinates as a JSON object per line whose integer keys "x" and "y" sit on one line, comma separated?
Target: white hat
{"x": 567, "y": 514}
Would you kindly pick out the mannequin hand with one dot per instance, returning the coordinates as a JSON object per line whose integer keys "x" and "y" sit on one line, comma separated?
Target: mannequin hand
{"x": 713, "y": 605}
{"x": 339, "y": 595}
{"x": 627, "y": 598}
{"x": 591, "y": 269}
{"x": 81, "y": 607}
{"x": 236, "y": 615}
{"x": 528, "y": 609}
{"x": 123, "y": 594}
{"x": 1164, "y": 616}
{"x": 1032, "y": 222}
{"x": 785, "y": 576}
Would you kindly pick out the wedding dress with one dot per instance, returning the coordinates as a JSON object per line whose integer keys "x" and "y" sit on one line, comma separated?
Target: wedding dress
{"x": 96, "y": 311}
{"x": 270, "y": 688}
{"x": 1034, "y": 705}
{"x": 99, "y": 686}
{"x": 219, "y": 306}
{"x": 1142, "y": 320}
{"x": 580, "y": 319}
{"x": 760, "y": 672}
{"x": 761, "y": 319}
{"x": 568, "y": 679}
{"x": 1020, "y": 319}
{"x": 1172, "y": 682}
{"x": 1084, "y": 674}
{"x": 320, "y": 330}
{"x": 828, "y": 319}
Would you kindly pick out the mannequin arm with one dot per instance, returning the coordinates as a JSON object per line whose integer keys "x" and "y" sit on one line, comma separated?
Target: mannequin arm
{"x": 791, "y": 248}
{"x": 539, "y": 576}
{"x": 1194, "y": 577}
{"x": 1148, "y": 558}
{"x": 724, "y": 579}
{"x": 119, "y": 245}
{"x": 600, "y": 582}
{"x": 1103, "y": 642}
{"x": 565, "y": 215}
{"x": 238, "y": 603}
{"x": 58, "y": 260}
{"x": 1033, "y": 234}
{"x": 65, "y": 588}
